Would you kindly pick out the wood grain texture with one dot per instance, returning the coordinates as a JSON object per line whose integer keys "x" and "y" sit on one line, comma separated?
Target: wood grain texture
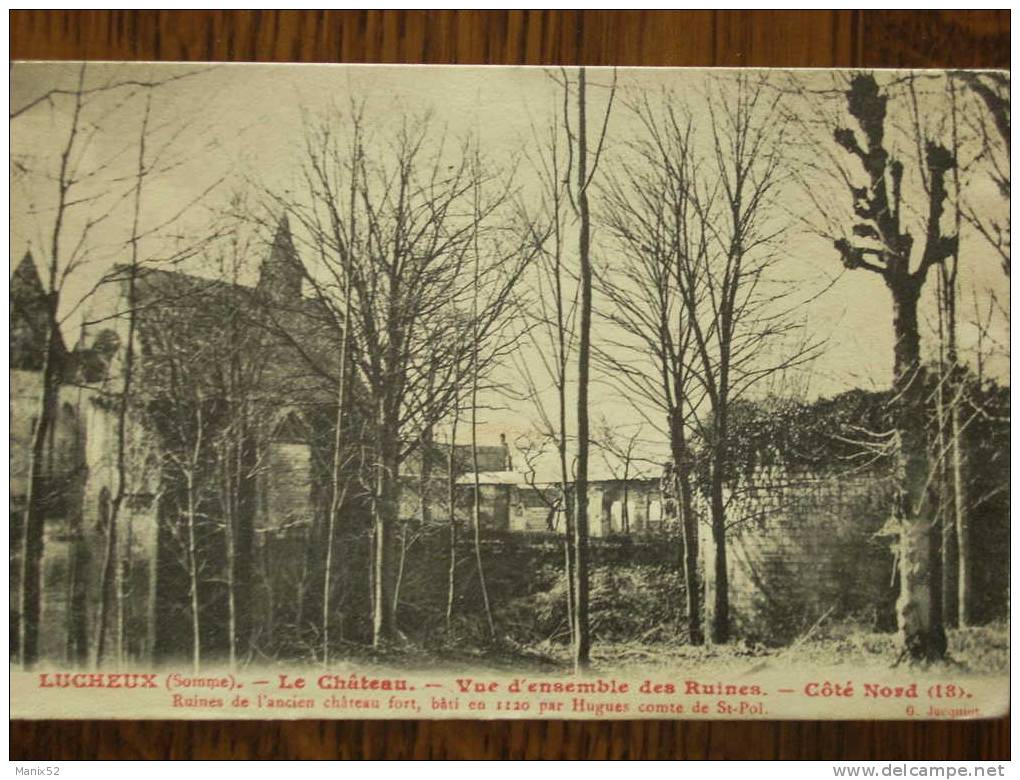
{"x": 686, "y": 38}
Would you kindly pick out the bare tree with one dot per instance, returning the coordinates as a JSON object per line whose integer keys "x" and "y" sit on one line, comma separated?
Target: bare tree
{"x": 582, "y": 169}
{"x": 975, "y": 130}
{"x": 452, "y": 469}
{"x": 203, "y": 393}
{"x": 992, "y": 127}
{"x": 71, "y": 195}
{"x": 649, "y": 209}
{"x": 948, "y": 455}
{"x": 60, "y": 264}
{"x": 408, "y": 271}
{"x": 582, "y": 643}
{"x": 156, "y": 145}
{"x": 338, "y": 485}
{"x": 552, "y": 307}
{"x": 740, "y": 314}
{"x": 476, "y": 506}
{"x": 567, "y": 172}
{"x": 112, "y": 569}
{"x": 187, "y": 368}
{"x": 879, "y": 207}
{"x": 247, "y": 408}
{"x": 499, "y": 259}
{"x": 184, "y": 418}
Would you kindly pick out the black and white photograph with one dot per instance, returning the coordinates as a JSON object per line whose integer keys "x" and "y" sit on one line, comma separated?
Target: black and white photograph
{"x": 505, "y": 392}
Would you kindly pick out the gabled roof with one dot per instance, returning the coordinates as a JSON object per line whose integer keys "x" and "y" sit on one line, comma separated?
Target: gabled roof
{"x": 207, "y": 330}
{"x": 289, "y": 344}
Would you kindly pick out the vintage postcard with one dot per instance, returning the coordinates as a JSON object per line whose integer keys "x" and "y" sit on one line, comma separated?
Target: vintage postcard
{"x": 465, "y": 392}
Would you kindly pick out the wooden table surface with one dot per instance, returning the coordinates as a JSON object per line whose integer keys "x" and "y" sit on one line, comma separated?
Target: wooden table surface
{"x": 691, "y": 38}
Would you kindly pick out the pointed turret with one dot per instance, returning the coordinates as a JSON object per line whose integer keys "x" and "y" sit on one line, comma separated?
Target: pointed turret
{"x": 282, "y": 273}
{"x": 26, "y": 283}
{"x": 29, "y": 317}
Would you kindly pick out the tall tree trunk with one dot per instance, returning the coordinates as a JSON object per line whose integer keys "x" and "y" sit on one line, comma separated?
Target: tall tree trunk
{"x": 921, "y": 630}
{"x": 425, "y": 477}
{"x": 336, "y": 488}
{"x": 77, "y": 645}
{"x": 919, "y": 616}
{"x": 961, "y": 599}
{"x": 125, "y": 593}
{"x": 946, "y": 454}
{"x": 238, "y": 460}
{"x": 944, "y": 499}
{"x": 106, "y": 585}
{"x": 582, "y": 644}
{"x": 565, "y": 491}
{"x": 336, "y": 491}
{"x": 957, "y": 597}
{"x": 381, "y": 628}
{"x": 39, "y": 485}
{"x": 230, "y": 539}
{"x": 401, "y": 563}
{"x": 949, "y": 556}
{"x": 424, "y": 513}
{"x": 195, "y": 605}
{"x": 234, "y": 476}
{"x": 688, "y": 529}
{"x": 964, "y": 594}
{"x": 112, "y": 565}
{"x": 568, "y": 561}
{"x": 935, "y": 548}
{"x": 695, "y": 632}
{"x": 383, "y": 512}
{"x": 451, "y": 489}
{"x": 720, "y": 628}
{"x": 112, "y": 578}
{"x": 476, "y": 510}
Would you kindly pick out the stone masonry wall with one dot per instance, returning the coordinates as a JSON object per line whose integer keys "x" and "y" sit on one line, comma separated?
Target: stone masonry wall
{"x": 801, "y": 546}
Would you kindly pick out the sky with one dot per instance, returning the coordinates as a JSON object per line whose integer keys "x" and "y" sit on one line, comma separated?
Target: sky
{"x": 229, "y": 127}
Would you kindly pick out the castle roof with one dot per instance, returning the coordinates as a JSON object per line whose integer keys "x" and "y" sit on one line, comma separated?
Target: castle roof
{"x": 284, "y": 344}
{"x": 289, "y": 345}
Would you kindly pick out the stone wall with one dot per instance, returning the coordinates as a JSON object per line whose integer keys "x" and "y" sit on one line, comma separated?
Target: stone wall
{"x": 630, "y": 508}
{"x": 137, "y": 527}
{"x": 61, "y": 631}
{"x": 285, "y": 485}
{"x": 801, "y": 546}
{"x": 63, "y": 450}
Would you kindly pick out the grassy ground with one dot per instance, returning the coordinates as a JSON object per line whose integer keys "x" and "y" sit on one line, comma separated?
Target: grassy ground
{"x": 981, "y": 650}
